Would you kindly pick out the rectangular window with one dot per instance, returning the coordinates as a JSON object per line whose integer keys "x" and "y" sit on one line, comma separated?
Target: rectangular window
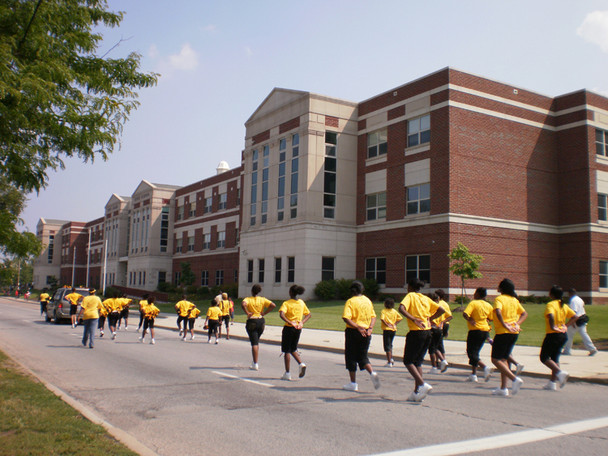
{"x": 277, "y": 270}
{"x": 375, "y": 268}
{"x": 206, "y": 241}
{"x": 236, "y": 276}
{"x": 602, "y": 214}
{"x": 327, "y": 268}
{"x": 419, "y": 131}
{"x": 180, "y": 212}
{"x": 204, "y": 278}
{"x": 162, "y": 276}
{"x": 281, "y": 181}
{"x": 219, "y": 277}
{"x": 265, "y": 175}
{"x": 377, "y": 143}
{"x": 330, "y": 175}
{"x": 601, "y": 142}
{"x": 291, "y": 269}
{"x": 418, "y": 266}
{"x": 223, "y": 201}
{"x": 164, "y": 228}
{"x": 190, "y": 243}
{"x": 376, "y": 206}
{"x": 418, "y": 199}
{"x": 261, "y": 270}
{"x": 249, "y": 271}
{"x": 603, "y": 274}
{"x": 192, "y": 211}
{"x": 254, "y": 187}
{"x": 208, "y": 205}
{"x": 49, "y": 258}
{"x": 221, "y": 239}
{"x": 293, "y": 199}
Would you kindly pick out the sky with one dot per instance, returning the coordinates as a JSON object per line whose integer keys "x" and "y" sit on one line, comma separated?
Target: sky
{"x": 219, "y": 60}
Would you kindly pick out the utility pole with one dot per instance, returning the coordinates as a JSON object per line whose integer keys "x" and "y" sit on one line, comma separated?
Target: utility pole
{"x": 88, "y": 257}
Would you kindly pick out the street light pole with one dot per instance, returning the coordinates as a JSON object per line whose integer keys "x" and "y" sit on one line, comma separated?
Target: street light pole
{"x": 88, "y": 257}
{"x": 73, "y": 264}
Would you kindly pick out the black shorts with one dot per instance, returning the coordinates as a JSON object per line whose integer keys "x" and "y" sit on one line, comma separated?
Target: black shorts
{"x": 289, "y": 339}
{"x": 355, "y": 349}
{"x": 191, "y": 323}
{"x": 124, "y": 313}
{"x": 503, "y": 345}
{"x": 226, "y": 320}
{"x": 113, "y": 318}
{"x": 387, "y": 339}
{"x": 148, "y": 323}
{"x": 552, "y": 346}
{"x": 212, "y": 326}
{"x": 475, "y": 341}
{"x": 255, "y": 329}
{"x": 416, "y": 345}
{"x": 436, "y": 341}
{"x": 179, "y": 321}
{"x": 73, "y": 309}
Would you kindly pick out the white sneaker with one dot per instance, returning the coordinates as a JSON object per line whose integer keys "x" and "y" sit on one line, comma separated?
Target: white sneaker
{"x": 101, "y": 334}
{"x": 443, "y": 365}
{"x": 487, "y": 373}
{"x": 389, "y": 364}
{"x": 208, "y": 341}
{"x": 192, "y": 338}
{"x": 351, "y": 387}
{"x": 412, "y": 397}
{"x": 434, "y": 370}
{"x": 126, "y": 328}
{"x": 472, "y": 378}
{"x": 217, "y": 341}
{"x": 516, "y": 385}
{"x": 375, "y": 380}
{"x": 184, "y": 339}
{"x": 141, "y": 339}
{"x": 152, "y": 342}
{"x": 423, "y": 391}
{"x": 254, "y": 366}
{"x": 551, "y": 386}
{"x": 286, "y": 376}
{"x": 302, "y": 370}
{"x": 562, "y": 378}
{"x": 519, "y": 369}
{"x": 113, "y": 335}
{"x": 500, "y": 392}
{"x": 180, "y": 333}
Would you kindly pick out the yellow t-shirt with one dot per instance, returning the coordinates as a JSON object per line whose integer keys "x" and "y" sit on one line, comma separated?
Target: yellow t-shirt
{"x": 389, "y": 316}
{"x": 194, "y": 313}
{"x": 510, "y": 308}
{"x": 112, "y": 305}
{"x": 214, "y": 313}
{"x": 444, "y": 316}
{"x": 561, "y": 314}
{"x": 256, "y": 304}
{"x": 419, "y": 306}
{"x": 151, "y": 311}
{"x": 143, "y": 303}
{"x": 44, "y": 297}
{"x": 481, "y": 311}
{"x": 294, "y": 310}
{"x": 183, "y": 307}
{"x": 360, "y": 310}
{"x": 73, "y": 298}
{"x": 225, "y": 307}
{"x": 124, "y": 303}
{"x": 90, "y": 306}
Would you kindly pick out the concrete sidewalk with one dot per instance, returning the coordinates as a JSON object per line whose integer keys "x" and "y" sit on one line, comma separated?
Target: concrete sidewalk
{"x": 579, "y": 365}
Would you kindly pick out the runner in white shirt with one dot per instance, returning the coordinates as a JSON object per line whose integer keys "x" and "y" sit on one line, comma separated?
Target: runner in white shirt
{"x": 578, "y": 306}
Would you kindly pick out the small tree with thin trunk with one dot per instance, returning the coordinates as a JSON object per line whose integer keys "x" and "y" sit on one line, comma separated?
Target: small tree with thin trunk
{"x": 465, "y": 265}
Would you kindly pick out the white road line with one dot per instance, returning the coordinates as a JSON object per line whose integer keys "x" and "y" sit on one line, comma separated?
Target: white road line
{"x": 223, "y": 374}
{"x": 504, "y": 440}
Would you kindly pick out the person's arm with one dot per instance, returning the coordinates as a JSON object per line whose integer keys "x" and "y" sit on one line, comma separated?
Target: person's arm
{"x": 244, "y": 305}
{"x": 304, "y": 320}
{"x": 269, "y": 309}
{"x": 417, "y": 321}
{"x": 282, "y": 315}
{"x": 371, "y": 326}
{"x": 352, "y": 324}
{"x": 551, "y": 319}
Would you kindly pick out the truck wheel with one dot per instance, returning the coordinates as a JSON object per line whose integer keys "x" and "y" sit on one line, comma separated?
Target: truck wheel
{"x": 56, "y": 318}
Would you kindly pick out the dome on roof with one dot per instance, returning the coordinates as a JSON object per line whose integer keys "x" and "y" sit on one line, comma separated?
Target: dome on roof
{"x": 222, "y": 167}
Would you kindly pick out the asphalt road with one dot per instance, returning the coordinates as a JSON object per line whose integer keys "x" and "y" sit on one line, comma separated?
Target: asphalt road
{"x": 194, "y": 398}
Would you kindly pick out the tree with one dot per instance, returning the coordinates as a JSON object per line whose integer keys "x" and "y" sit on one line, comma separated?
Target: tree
{"x": 464, "y": 264}
{"x": 187, "y": 276}
{"x": 12, "y": 242}
{"x": 58, "y": 97}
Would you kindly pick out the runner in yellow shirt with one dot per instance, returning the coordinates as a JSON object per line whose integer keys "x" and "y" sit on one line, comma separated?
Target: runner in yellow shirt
{"x": 183, "y": 309}
{"x": 74, "y": 298}
{"x": 89, "y": 311}
{"x": 150, "y": 314}
{"x": 225, "y": 308}
{"x": 142, "y": 303}
{"x": 44, "y": 300}
{"x": 478, "y": 315}
{"x": 389, "y": 318}
{"x": 294, "y": 313}
{"x": 214, "y": 314}
{"x": 192, "y": 316}
{"x": 256, "y": 307}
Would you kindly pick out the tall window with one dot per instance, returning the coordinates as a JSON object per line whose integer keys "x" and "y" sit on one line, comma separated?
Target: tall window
{"x": 603, "y": 274}
{"x": 277, "y": 270}
{"x": 192, "y": 211}
{"x": 602, "y": 213}
{"x": 223, "y": 201}
{"x": 295, "y": 152}
{"x": 376, "y": 206}
{"x": 375, "y": 268}
{"x": 249, "y": 271}
{"x": 204, "y": 278}
{"x": 206, "y": 241}
{"x": 418, "y": 199}
{"x": 418, "y": 266}
{"x": 329, "y": 184}
{"x": 254, "y": 186}
{"x": 265, "y": 171}
{"x": 291, "y": 269}
{"x": 219, "y": 277}
{"x": 327, "y": 268}
{"x": 221, "y": 239}
{"x": 190, "y": 243}
{"x": 162, "y": 276}
{"x": 376, "y": 143}
{"x": 601, "y": 142}
{"x": 281, "y": 183}
{"x": 180, "y": 212}
{"x": 49, "y": 256}
{"x": 419, "y": 131}
{"x": 261, "y": 270}
{"x": 146, "y": 228}
{"x": 164, "y": 228}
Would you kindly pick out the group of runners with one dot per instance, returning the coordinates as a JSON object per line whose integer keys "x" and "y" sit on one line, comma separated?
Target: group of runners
{"x": 427, "y": 316}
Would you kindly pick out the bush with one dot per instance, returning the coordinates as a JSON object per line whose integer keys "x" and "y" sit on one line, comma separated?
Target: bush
{"x": 461, "y": 300}
{"x": 325, "y": 290}
{"x": 191, "y": 289}
{"x": 111, "y": 292}
{"x": 165, "y": 287}
{"x": 343, "y": 289}
{"x": 203, "y": 292}
{"x": 371, "y": 288}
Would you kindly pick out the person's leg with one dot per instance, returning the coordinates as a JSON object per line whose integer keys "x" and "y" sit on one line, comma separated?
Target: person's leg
{"x": 92, "y": 324}
{"x": 416, "y": 374}
{"x": 571, "y": 332}
{"x": 255, "y": 349}
{"x": 587, "y": 342}
{"x": 287, "y": 361}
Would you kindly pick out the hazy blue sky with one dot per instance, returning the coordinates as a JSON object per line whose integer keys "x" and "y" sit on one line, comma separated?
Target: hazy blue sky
{"x": 220, "y": 59}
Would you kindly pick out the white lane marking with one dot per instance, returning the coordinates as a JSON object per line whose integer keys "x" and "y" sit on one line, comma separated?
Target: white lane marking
{"x": 223, "y": 374}
{"x": 504, "y": 440}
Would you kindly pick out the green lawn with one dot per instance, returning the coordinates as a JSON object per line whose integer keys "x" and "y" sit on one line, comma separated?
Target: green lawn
{"x": 328, "y": 315}
{"x": 35, "y": 421}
